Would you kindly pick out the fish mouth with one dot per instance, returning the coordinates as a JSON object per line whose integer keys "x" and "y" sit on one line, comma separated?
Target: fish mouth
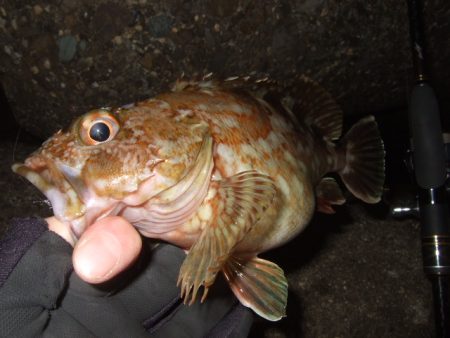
{"x": 72, "y": 202}
{"x": 65, "y": 201}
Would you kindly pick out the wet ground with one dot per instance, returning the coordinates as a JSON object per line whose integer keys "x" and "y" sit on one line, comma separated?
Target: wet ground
{"x": 357, "y": 273}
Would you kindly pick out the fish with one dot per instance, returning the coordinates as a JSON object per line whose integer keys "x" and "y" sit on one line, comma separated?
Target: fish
{"x": 222, "y": 169}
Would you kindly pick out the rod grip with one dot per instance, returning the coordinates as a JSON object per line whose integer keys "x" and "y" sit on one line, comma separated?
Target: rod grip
{"x": 425, "y": 125}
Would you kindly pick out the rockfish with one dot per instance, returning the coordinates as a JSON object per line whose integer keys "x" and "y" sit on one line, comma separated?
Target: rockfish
{"x": 223, "y": 173}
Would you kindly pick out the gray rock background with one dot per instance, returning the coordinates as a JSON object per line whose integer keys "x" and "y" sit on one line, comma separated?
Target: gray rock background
{"x": 60, "y": 58}
{"x": 354, "y": 274}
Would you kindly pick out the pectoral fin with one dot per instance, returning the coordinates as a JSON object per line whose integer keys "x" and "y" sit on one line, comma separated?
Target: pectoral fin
{"x": 259, "y": 285}
{"x": 239, "y": 203}
{"x": 328, "y": 194}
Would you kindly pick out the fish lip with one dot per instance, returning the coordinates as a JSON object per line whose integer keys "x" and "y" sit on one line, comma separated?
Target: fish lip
{"x": 32, "y": 175}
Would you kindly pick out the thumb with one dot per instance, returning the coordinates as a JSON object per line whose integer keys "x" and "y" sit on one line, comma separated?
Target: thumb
{"x": 105, "y": 249}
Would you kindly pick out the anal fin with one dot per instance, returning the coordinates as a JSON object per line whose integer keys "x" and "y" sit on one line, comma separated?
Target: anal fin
{"x": 259, "y": 285}
{"x": 328, "y": 194}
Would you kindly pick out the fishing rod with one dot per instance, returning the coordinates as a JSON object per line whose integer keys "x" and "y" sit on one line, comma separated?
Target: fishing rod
{"x": 429, "y": 163}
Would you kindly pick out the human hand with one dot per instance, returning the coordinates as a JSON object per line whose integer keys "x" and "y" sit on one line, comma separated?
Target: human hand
{"x": 40, "y": 296}
{"x": 105, "y": 249}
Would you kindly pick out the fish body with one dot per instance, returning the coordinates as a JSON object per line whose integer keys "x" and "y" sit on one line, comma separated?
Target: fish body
{"x": 214, "y": 170}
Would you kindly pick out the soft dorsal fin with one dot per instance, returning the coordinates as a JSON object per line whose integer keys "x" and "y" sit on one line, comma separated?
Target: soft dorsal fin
{"x": 317, "y": 108}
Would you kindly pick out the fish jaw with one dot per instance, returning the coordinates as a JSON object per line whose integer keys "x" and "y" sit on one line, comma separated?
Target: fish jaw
{"x": 73, "y": 204}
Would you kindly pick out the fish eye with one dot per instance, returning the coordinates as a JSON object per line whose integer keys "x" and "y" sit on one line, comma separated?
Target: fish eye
{"x": 99, "y": 132}
{"x": 98, "y": 127}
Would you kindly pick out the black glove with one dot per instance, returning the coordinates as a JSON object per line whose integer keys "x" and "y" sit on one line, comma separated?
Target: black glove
{"x": 40, "y": 296}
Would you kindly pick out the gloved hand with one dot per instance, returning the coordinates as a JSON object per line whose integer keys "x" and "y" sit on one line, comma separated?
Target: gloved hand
{"x": 40, "y": 295}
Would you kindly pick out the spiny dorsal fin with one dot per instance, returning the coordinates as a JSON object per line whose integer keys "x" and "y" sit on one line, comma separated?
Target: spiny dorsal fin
{"x": 306, "y": 99}
{"x": 258, "y": 86}
{"x": 316, "y": 107}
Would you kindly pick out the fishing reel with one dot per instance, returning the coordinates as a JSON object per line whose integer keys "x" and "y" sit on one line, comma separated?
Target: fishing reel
{"x": 403, "y": 200}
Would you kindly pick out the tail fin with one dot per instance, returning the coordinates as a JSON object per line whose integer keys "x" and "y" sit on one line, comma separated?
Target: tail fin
{"x": 363, "y": 172}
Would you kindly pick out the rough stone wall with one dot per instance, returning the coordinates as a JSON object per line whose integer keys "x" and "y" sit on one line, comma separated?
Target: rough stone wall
{"x": 60, "y": 58}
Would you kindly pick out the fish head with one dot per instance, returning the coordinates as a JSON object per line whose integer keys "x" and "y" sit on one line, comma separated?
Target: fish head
{"x": 109, "y": 159}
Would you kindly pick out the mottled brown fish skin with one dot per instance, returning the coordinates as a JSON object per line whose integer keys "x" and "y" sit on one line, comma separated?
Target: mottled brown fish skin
{"x": 249, "y": 135}
{"x": 214, "y": 170}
